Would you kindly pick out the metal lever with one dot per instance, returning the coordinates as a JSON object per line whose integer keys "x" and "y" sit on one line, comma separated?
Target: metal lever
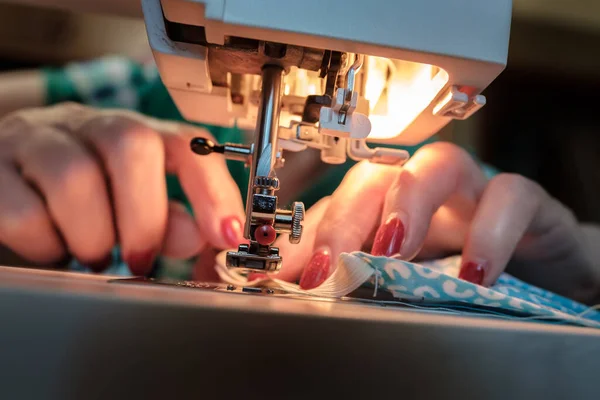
{"x": 231, "y": 151}
{"x": 204, "y": 146}
{"x": 263, "y": 219}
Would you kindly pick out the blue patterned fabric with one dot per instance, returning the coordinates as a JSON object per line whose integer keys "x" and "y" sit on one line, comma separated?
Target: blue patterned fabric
{"x": 435, "y": 284}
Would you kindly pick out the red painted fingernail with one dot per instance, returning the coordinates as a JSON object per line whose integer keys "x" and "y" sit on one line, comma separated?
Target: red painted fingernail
{"x": 253, "y": 276}
{"x": 317, "y": 270}
{"x": 472, "y": 272}
{"x": 231, "y": 227}
{"x": 140, "y": 263}
{"x": 389, "y": 237}
{"x": 101, "y": 265}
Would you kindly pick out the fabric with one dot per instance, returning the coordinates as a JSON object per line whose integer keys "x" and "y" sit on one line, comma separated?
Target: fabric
{"x": 435, "y": 285}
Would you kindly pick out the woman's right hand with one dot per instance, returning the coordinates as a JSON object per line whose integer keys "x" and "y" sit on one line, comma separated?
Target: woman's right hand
{"x": 76, "y": 181}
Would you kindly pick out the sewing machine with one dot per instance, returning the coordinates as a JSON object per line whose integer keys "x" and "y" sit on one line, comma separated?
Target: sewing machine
{"x": 341, "y": 77}
{"x": 330, "y": 76}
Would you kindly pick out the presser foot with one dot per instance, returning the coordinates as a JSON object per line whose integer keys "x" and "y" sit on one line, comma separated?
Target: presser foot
{"x": 254, "y": 258}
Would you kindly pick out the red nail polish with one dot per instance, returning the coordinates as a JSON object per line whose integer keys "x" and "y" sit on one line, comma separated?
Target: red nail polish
{"x": 140, "y": 263}
{"x": 389, "y": 238}
{"x": 317, "y": 270}
{"x": 472, "y": 272}
{"x": 101, "y": 265}
{"x": 254, "y": 276}
{"x": 231, "y": 227}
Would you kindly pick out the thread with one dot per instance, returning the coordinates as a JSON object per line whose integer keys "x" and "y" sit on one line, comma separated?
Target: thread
{"x": 377, "y": 274}
{"x": 587, "y": 310}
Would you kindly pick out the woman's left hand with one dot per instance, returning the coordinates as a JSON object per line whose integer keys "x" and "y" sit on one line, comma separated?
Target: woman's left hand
{"x": 440, "y": 203}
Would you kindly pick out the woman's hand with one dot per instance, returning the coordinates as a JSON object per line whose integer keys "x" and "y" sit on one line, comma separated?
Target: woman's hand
{"x": 75, "y": 181}
{"x": 440, "y": 203}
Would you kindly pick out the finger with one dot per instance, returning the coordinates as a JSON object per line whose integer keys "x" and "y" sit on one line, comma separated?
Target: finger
{"x": 351, "y": 216}
{"x": 25, "y": 225}
{"x": 74, "y": 188}
{"x": 296, "y": 256}
{"x": 214, "y": 195}
{"x": 182, "y": 240}
{"x": 447, "y": 232}
{"x": 511, "y": 208}
{"x": 204, "y": 268}
{"x": 435, "y": 175}
{"x": 133, "y": 157}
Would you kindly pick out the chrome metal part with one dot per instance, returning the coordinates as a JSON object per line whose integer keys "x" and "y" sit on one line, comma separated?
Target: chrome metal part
{"x": 297, "y": 218}
{"x": 266, "y": 259}
{"x": 261, "y": 204}
{"x": 264, "y": 207}
{"x": 265, "y": 182}
{"x": 265, "y": 136}
{"x": 350, "y": 79}
{"x": 231, "y": 151}
{"x": 353, "y": 70}
{"x": 283, "y": 221}
{"x": 237, "y": 152}
{"x": 290, "y": 221}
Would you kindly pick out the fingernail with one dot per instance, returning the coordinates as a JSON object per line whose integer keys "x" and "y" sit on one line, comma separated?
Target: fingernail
{"x": 472, "y": 272}
{"x": 317, "y": 270}
{"x": 389, "y": 237}
{"x": 101, "y": 265}
{"x": 231, "y": 227}
{"x": 141, "y": 263}
{"x": 254, "y": 276}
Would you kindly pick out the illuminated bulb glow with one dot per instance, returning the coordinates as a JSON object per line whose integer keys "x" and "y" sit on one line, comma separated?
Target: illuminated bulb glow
{"x": 411, "y": 88}
{"x": 394, "y": 102}
{"x": 302, "y": 83}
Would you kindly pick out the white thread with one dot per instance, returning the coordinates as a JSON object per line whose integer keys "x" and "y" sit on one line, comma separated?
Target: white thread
{"x": 587, "y": 310}
{"x": 377, "y": 274}
{"x": 350, "y": 274}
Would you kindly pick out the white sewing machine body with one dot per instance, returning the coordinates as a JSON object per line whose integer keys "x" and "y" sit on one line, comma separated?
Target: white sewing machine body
{"x": 423, "y": 51}
{"x": 328, "y": 75}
